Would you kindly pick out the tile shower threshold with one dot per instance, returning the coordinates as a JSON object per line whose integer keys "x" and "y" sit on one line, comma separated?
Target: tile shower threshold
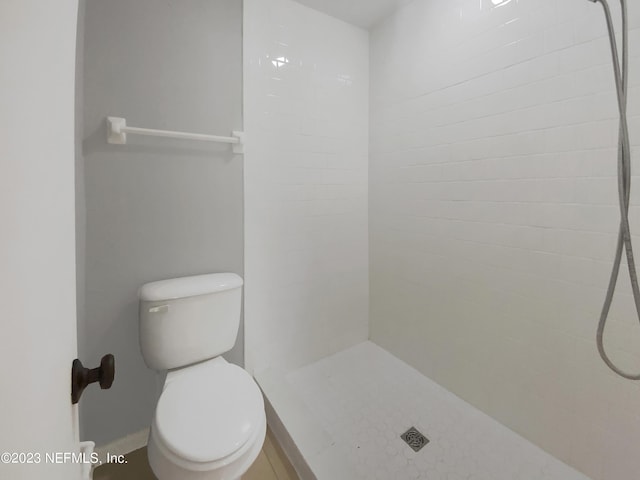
{"x": 344, "y": 417}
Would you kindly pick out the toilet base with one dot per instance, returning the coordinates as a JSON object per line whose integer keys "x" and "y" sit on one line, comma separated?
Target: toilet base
{"x": 166, "y": 468}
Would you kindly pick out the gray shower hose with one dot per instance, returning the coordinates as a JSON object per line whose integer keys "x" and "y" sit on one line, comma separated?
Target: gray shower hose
{"x": 624, "y": 185}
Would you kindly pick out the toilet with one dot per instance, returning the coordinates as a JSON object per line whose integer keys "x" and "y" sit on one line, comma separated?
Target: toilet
{"x": 210, "y": 421}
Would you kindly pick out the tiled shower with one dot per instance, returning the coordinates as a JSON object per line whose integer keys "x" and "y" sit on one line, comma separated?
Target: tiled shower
{"x": 430, "y": 219}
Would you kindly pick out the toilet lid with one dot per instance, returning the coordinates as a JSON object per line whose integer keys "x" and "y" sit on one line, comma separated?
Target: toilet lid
{"x": 209, "y": 416}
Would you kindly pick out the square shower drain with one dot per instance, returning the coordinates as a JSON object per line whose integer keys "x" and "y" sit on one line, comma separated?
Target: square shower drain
{"x": 414, "y": 439}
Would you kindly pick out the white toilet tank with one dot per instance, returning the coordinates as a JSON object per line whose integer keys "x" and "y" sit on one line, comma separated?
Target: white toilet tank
{"x": 190, "y": 319}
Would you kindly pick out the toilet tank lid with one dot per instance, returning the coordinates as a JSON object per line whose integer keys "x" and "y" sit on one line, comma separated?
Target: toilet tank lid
{"x": 189, "y": 286}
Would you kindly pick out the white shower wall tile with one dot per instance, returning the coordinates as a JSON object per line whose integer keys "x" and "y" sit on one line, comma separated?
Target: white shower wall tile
{"x": 362, "y": 399}
{"x": 306, "y": 87}
{"x": 493, "y": 215}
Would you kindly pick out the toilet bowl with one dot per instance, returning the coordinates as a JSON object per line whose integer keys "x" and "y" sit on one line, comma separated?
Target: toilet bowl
{"x": 210, "y": 422}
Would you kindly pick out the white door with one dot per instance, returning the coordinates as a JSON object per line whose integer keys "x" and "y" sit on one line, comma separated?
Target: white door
{"x": 37, "y": 240}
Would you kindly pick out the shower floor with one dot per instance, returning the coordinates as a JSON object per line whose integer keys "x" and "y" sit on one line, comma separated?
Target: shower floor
{"x": 345, "y": 415}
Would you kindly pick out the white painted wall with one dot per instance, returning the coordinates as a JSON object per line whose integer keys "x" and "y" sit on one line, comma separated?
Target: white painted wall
{"x": 363, "y": 13}
{"x": 155, "y": 208}
{"x": 493, "y": 216}
{"x": 37, "y": 258}
{"x": 306, "y": 118}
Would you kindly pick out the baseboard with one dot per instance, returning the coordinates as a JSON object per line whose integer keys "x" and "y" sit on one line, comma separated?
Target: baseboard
{"x": 124, "y": 445}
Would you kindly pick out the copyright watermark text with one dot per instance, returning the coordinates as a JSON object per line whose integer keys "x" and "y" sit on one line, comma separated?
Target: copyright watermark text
{"x": 25, "y": 458}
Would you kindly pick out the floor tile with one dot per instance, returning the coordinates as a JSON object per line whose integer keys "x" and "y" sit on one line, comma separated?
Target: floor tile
{"x": 364, "y": 399}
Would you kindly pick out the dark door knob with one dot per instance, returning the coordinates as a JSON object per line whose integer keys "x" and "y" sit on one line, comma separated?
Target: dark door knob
{"x": 81, "y": 376}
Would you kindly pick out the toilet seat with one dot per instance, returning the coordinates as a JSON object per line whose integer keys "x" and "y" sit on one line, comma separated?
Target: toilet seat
{"x": 163, "y": 461}
{"x": 208, "y": 414}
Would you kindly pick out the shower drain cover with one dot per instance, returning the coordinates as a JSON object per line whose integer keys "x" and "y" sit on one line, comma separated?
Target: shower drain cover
{"x": 414, "y": 439}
